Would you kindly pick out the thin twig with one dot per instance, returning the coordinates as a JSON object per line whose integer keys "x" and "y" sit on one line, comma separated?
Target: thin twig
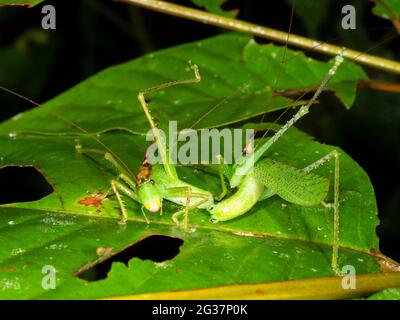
{"x": 380, "y": 85}
{"x": 265, "y": 32}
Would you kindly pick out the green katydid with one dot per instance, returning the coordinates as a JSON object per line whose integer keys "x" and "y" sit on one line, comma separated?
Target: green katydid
{"x": 257, "y": 179}
{"x": 152, "y": 184}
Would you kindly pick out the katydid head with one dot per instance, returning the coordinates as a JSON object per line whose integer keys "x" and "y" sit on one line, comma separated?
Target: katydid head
{"x": 149, "y": 195}
{"x": 147, "y": 190}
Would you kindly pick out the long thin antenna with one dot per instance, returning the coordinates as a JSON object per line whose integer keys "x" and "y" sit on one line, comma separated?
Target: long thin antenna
{"x": 18, "y": 95}
{"x": 72, "y": 124}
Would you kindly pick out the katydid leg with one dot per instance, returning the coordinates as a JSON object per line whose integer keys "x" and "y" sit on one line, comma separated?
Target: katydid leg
{"x": 313, "y": 166}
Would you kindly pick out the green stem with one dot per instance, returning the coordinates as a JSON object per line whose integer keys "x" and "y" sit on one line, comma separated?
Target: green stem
{"x": 265, "y": 32}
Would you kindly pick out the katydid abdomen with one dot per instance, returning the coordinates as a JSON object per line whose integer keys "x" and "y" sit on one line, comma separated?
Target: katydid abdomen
{"x": 291, "y": 184}
{"x": 247, "y": 195}
{"x": 271, "y": 177}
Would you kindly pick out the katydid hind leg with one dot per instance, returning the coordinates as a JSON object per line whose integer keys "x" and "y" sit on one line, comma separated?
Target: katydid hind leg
{"x": 335, "y": 204}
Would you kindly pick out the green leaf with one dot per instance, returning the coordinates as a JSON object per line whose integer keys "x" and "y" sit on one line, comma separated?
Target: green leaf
{"x": 387, "y": 294}
{"x": 239, "y": 81}
{"x": 387, "y": 9}
{"x": 275, "y": 240}
{"x": 28, "y": 3}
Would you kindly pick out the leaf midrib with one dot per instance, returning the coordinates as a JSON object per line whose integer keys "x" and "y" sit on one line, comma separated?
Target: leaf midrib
{"x": 231, "y": 231}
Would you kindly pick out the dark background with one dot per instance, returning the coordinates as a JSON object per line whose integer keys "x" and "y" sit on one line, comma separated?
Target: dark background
{"x": 94, "y": 34}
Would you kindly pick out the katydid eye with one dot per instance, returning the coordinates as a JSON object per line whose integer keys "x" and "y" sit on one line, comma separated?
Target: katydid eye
{"x": 152, "y": 182}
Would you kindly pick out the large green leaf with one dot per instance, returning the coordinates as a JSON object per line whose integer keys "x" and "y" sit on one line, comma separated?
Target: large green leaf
{"x": 275, "y": 240}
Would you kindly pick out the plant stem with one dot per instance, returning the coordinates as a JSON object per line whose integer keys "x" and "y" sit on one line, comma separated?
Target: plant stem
{"x": 265, "y": 32}
{"x": 312, "y": 288}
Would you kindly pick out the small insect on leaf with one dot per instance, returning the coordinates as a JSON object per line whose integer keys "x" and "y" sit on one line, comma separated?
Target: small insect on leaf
{"x": 95, "y": 200}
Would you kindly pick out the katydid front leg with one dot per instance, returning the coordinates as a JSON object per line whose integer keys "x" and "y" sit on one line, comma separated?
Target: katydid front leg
{"x": 154, "y": 183}
{"x": 167, "y": 178}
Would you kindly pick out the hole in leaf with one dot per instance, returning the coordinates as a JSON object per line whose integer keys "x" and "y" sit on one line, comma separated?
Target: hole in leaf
{"x": 22, "y": 184}
{"x": 157, "y": 248}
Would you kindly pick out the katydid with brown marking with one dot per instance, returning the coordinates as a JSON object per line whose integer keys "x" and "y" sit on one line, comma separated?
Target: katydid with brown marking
{"x": 152, "y": 183}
